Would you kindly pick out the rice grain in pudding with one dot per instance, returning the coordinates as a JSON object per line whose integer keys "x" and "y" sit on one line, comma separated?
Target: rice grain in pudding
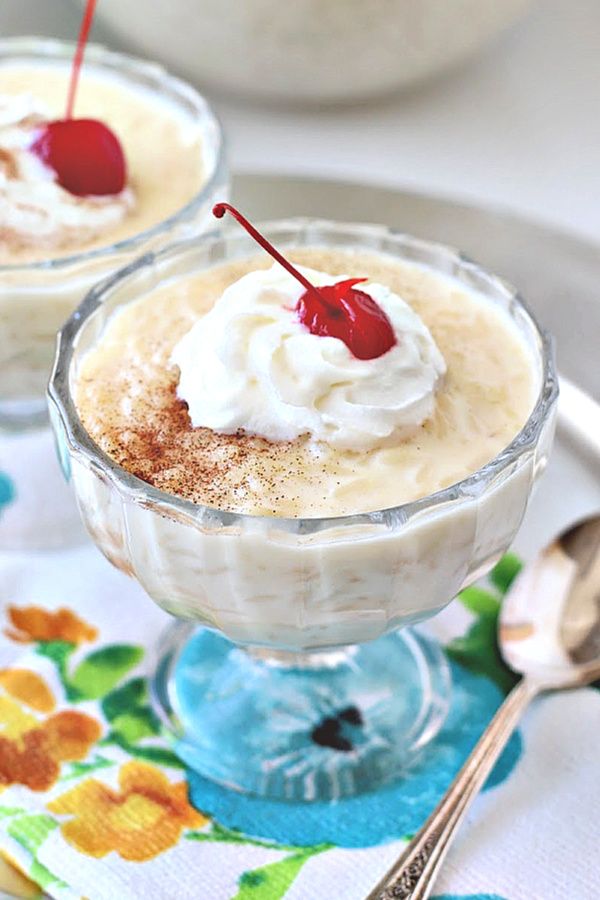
{"x": 204, "y": 380}
{"x": 127, "y": 396}
{"x": 162, "y": 148}
{"x": 55, "y": 244}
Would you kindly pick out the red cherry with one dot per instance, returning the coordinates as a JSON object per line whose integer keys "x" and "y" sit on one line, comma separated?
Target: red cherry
{"x": 333, "y": 310}
{"x": 85, "y": 154}
{"x": 350, "y": 315}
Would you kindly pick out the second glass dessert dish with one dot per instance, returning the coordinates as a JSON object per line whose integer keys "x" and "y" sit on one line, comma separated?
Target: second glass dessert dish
{"x": 61, "y": 232}
{"x": 50, "y": 255}
{"x": 296, "y": 566}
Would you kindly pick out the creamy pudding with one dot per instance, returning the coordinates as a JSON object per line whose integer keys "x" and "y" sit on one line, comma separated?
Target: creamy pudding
{"x": 469, "y": 367}
{"x": 137, "y": 166}
{"x": 340, "y": 435}
{"x": 55, "y": 244}
{"x": 237, "y": 434}
{"x": 39, "y": 219}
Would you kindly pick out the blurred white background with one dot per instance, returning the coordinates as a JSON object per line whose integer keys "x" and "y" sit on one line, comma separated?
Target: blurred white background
{"x": 518, "y": 127}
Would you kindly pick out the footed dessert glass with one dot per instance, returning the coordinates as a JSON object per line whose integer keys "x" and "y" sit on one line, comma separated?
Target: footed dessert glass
{"x": 36, "y": 297}
{"x": 292, "y": 673}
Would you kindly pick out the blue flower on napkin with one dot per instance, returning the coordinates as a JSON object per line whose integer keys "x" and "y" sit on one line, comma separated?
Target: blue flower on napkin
{"x": 467, "y": 897}
{"x": 394, "y": 811}
{"x": 8, "y": 491}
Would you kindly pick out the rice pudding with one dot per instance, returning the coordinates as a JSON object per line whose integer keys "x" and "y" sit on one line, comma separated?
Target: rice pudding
{"x": 55, "y": 244}
{"x": 139, "y": 389}
{"x": 162, "y": 146}
{"x": 250, "y": 392}
{"x": 127, "y": 394}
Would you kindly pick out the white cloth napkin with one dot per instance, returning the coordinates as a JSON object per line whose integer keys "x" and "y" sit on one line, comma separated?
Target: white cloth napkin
{"x": 534, "y": 836}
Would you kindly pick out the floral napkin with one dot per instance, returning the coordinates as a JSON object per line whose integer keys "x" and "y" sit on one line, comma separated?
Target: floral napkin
{"x": 94, "y": 803}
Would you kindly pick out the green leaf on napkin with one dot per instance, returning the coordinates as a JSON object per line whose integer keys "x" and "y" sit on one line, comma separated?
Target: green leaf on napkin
{"x": 131, "y": 694}
{"x": 30, "y": 832}
{"x": 137, "y": 724}
{"x": 59, "y": 652}
{"x": 504, "y": 572}
{"x": 102, "y": 670}
{"x": 78, "y": 769}
{"x": 97, "y": 674}
{"x": 159, "y": 755}
{"x": 222, "y": 834}
{"x": 479, "y": 601}
{"x": 477, "y": 651}
{"x": 271, "y": 882}
{"x": 7, "y": 811}
{"x": 127, "y": 710}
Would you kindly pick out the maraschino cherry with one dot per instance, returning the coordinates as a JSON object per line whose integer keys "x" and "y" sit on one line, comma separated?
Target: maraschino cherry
{"x": 332, "y": 310}
{"x": 84, "y": 153}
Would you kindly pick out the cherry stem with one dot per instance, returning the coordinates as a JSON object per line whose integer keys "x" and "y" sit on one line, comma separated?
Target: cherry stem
{"x": 219, "y": 210}
{"x": 86, "y": 24}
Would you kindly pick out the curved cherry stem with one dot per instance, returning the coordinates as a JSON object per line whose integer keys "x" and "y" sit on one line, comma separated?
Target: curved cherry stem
{"x": 219, "y": 210}
{"x": 334, "y": 310}
{"x": 84, "y": 31}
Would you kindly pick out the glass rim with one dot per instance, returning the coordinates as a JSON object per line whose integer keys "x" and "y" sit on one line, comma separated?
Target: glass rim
{"x": 141, "y": 492}
{"x": 97, "y": 54}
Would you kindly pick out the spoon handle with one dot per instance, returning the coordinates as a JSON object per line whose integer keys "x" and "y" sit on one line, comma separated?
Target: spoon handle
{"x": 413, "y": 874}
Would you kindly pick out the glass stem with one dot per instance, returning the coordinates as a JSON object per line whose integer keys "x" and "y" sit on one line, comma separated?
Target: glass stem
{"x": 291, "y": 659}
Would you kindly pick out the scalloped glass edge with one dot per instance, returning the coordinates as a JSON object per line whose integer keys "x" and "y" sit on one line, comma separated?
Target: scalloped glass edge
{"x": 301, "y": 231}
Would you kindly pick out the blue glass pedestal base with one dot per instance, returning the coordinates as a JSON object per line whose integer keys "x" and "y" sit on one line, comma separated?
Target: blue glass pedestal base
{"x": 316, "y": 726}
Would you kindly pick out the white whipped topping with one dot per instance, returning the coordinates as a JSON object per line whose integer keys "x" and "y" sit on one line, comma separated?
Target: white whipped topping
{"x": 34, "y": 208}
{"x": 249, "y": 364}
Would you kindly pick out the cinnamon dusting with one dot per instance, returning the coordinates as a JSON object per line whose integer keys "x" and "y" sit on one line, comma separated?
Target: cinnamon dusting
{"x": 127, "y": 400}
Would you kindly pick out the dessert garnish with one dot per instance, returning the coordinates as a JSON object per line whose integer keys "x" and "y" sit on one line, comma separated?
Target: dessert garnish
{"x": 332, "y": 310}
{"x": 85, "y": 154}
{"x": 250, "y": 365}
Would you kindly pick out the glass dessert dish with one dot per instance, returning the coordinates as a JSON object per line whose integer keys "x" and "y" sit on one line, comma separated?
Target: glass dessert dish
{"x": 294, "y": 673}
{"x": 38, "y": 290}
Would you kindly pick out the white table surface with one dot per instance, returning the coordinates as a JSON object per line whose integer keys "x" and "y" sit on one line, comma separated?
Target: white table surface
{"x": 518, "y": 127}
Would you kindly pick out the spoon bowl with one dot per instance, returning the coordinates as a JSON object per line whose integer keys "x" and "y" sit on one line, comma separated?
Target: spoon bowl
{"x": 550, "y": 620}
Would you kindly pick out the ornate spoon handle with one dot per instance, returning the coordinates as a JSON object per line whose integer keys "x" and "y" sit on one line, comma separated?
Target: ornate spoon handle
{"x": 412, "y": 876}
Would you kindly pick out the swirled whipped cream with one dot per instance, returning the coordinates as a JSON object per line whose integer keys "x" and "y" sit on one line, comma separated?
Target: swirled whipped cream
{"x": 34, "y": 209}
{"x": 249, "y": 365}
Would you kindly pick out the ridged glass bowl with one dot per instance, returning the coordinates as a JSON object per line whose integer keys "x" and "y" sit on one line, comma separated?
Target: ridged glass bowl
{"x": 36, "y": 298}
{"x": 292, "y": 672}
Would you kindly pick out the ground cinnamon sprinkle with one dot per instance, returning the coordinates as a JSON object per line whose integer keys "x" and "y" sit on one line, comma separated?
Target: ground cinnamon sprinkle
{"x": 151, "y": 449}
{"x": 126, "y": 395}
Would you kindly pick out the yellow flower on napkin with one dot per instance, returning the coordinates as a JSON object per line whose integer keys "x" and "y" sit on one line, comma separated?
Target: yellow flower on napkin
{"x": 33, "y": 623}
{"x": 28, "y": 687}
{"x": 32, "y": 749}
{"x": 140, "y": 821}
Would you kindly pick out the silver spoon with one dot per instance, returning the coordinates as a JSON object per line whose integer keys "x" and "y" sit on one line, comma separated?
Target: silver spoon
{"x": 549, "y": 632}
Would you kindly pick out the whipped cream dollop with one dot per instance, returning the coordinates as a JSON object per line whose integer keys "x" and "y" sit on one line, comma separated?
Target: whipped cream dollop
{"x": 250, "y": 365}
{"x": 34, "y": 209}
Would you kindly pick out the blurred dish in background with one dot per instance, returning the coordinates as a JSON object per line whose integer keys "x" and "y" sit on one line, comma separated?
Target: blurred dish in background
{"x": 55, "y": 244}
{"x": 309, "y": 51}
